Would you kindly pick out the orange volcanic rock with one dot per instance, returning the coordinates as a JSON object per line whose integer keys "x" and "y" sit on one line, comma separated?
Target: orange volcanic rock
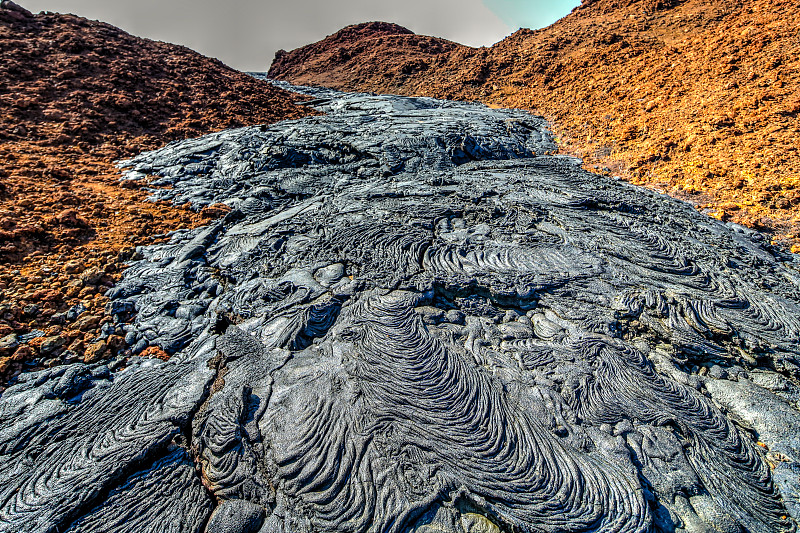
{"x": 697, "y": 98}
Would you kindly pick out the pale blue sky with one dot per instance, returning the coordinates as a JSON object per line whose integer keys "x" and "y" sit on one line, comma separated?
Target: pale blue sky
{"x": 245, "y": 33}
{"x": 530, "y": 13}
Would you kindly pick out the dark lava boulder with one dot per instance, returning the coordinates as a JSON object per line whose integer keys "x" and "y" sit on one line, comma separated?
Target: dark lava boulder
{"x": 416, "y": 318}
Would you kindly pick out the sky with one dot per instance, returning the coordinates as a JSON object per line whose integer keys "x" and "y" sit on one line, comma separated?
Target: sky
{"x": 245, "y": 34}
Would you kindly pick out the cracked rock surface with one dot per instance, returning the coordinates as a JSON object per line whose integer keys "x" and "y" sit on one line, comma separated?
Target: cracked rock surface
{"x": 414, "y": 318}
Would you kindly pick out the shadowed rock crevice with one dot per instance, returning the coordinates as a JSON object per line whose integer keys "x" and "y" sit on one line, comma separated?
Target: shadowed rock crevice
{"x": 384, "y": 336}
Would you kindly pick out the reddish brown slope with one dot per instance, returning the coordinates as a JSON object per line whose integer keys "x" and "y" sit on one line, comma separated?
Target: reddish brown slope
{"x": 384, "y": 57}
{"x": 74, "y": 96}
{"x": 696, "y": 97}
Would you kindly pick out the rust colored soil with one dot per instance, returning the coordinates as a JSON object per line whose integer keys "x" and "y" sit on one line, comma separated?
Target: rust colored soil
{"x": 696, "y": 98}
{"x": 76, "y": 95}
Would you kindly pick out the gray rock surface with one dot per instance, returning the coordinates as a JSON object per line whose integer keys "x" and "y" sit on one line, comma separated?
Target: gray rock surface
{"x": 236, "y": 516}
{"x": 417, "y": 318}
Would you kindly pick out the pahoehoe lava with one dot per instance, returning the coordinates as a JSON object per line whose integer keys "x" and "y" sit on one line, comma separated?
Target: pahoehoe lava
{"x": 416, "y": 317}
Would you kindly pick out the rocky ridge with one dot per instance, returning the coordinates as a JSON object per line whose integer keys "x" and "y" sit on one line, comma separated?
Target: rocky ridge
{"x": 697, "y": 98}
{"x": 75, "y": 95}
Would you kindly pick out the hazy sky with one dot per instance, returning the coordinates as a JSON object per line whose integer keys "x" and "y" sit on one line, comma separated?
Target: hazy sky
{"x": 245, "y": 34}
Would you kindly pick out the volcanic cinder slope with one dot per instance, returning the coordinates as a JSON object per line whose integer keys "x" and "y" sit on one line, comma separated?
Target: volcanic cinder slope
{"x": 75, "y": 95}
{"x": 415, "y": 318}
{"x": 699, "y": 98}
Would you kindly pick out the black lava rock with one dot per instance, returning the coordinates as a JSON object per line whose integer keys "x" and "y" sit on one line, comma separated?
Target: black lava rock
{"x": 416, "y": 318}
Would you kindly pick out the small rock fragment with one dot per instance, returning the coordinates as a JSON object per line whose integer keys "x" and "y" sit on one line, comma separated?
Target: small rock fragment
{"x": 215, "y": 211}
{"x": 8, "y": 343}
{"x": 154, "y": 352}
{"x": 51, "y": 344}
{"x": 95, "y": 352}
{"x": 91, "y": 276}
{"x": 71, "y": 219}
{"x": 236, "y": 516}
